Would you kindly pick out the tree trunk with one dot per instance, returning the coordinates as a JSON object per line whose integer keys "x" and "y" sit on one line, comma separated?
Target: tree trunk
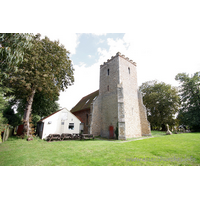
{"x": 27, "y": 113}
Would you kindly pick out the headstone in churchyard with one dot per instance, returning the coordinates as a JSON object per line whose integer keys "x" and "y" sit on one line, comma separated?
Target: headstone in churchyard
{"x": 168, "y": 131}
{"x": 175, "y": 130}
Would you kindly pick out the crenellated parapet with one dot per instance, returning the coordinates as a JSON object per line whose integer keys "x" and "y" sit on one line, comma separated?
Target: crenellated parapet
{"x": 122, "y": 56}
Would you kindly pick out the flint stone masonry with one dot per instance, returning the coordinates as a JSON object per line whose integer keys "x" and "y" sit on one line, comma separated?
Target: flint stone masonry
{"x": 119, "y": 102}
{"x": 145, "y": 125}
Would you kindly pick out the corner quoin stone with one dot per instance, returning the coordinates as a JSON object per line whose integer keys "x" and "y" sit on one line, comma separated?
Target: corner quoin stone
{"x": 119, "y": 102}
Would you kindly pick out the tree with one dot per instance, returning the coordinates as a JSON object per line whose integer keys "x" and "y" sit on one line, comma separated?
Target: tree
{"x": 12, "y": 47}
{"x": 46, "y": 67}
{"x": 189, "y": 113}
{"x": 3, "y": 103}
{"x": 43, "y": 105}
{"x": 9, "y": 114}
{"x": 162, "y": 103}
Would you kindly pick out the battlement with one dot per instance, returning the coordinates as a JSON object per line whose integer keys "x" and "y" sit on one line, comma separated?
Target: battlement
{"x": 122, "y": 56}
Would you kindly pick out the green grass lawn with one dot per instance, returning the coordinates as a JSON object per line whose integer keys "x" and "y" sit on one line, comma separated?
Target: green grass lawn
{"x": 159, "y": 150}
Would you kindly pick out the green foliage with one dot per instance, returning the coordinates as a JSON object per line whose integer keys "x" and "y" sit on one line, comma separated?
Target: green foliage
{"x": 46, "y": 68}
{"x": 189, "y": 113}
{"x": 43, "y": 105}
{"x": 162, "y": 103}
{"x": 35, "y": 119}
{"x": 12, "y": 47}
{"x": 12, "y": 118}
{"x": 3, "y": 104}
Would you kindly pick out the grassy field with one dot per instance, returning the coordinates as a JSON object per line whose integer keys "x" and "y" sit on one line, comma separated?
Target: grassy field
{"x": 159, "y": 150}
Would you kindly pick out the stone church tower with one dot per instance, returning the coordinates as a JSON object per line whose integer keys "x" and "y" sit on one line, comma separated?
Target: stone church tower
{"x": 119, "y": 104}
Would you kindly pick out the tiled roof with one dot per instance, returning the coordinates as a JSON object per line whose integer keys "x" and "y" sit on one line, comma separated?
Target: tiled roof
{"x": 85, "y": 102}
{"x": 80, "y": 119}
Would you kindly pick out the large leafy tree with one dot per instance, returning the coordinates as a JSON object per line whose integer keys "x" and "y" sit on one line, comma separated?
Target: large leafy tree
{"x": 189, "y": 113}
{"x": 162, "y": 103}
{"x": 12, "y": 47}
{"x": 43, "y": 105}
{"x": 46, "y": 67}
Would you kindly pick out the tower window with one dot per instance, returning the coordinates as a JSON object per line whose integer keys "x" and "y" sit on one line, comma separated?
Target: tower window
{"x": 108, "y": 72}
{"x": 108, "y": 87}
{"x": 129, "y": 70}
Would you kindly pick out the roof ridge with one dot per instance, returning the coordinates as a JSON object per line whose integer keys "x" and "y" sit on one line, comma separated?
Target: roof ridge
{"x": 51, "y": 114}
{"x": 90, "y": 94}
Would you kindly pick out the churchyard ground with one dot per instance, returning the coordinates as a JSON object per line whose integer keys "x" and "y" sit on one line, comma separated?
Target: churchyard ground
{"x": 160, "y": 150}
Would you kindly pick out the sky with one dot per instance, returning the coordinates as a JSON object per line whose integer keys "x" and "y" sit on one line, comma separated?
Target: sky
{"x": 160, "y": 55}
{"x": 162, "y": 37}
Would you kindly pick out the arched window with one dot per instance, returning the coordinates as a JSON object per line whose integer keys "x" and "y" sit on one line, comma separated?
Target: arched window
{"x": 108, "y": 72}
{"x": 108, "y": 87}
{"x": 129, "y": 70}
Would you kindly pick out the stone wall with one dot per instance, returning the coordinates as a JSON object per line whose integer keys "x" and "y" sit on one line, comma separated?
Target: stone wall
{"x": 95, "y": 116}
{"x": 145, "y": 125}
{"x": 128, "y": 79}
{"x": 118, "y": 103}
{"x": 121, "y": 114}
{"x": 109, "y": 78}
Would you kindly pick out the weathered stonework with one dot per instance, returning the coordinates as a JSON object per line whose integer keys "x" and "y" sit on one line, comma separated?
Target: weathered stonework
{"x": 95, "y": 119}
{"x": 119, "y": 102}
{"x": 145, "y": 125}
{"x": 121, "y": 114}
{"x": 117, "y": 105}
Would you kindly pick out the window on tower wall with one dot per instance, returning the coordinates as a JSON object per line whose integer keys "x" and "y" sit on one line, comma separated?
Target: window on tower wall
{"x": 108, "y": 87}
{"x": 129, "y": 70}
{"x": 108, "y": 72}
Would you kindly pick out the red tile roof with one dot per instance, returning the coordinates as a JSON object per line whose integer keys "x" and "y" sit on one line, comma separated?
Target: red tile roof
{"x": 80, "y": 118}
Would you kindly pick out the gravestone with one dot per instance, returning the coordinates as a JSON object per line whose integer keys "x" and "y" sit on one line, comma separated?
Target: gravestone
{"x": 168, "y": 131}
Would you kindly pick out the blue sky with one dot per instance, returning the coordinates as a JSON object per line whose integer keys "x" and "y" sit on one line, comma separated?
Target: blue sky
{"x": 87, "y": 49}
{"x": 162, "y": 37}
{"x": 160, "y": 55}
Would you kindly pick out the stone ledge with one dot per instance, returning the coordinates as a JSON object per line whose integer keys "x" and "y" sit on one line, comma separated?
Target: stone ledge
{"x": 122, "y": 56}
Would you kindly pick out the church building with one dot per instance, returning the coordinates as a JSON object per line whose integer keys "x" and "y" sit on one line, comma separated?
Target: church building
{"x": 117, "y": 106}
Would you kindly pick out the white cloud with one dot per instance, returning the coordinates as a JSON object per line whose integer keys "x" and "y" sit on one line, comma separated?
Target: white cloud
{"x": 89, "y": 56}
{"x": 86, "y": 82}
{"x": 157, "y": 57}
{"x": 163, "y": 39}
{"x": 99, "y": 34}
{"x": 101, "y": 41}
{"x": 69, "y": 40}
